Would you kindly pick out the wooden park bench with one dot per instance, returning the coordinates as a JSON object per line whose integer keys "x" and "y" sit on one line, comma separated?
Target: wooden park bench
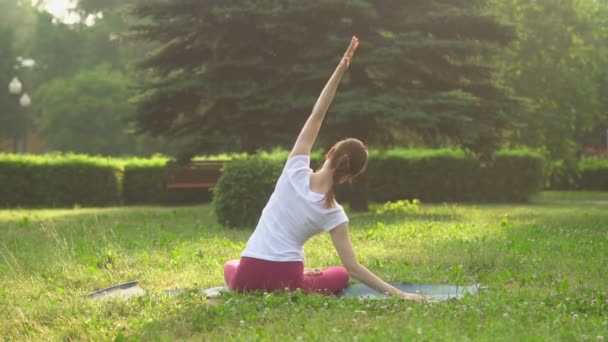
{"x": 194, "y": 175}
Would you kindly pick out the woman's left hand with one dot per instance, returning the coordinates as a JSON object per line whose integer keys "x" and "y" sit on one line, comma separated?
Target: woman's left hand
{"x": 312, "y": 272}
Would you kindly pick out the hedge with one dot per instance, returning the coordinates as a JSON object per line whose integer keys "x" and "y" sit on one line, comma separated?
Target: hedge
{"x": 448, "y": 175}
{"x": 243, "y": 190}
{"x": 593, "y": 174}
{"x": 429, "y": 175}
{"x": 144, "y": 182}
{"x": 52, "y": 181}
{"x": 586, "y": 174}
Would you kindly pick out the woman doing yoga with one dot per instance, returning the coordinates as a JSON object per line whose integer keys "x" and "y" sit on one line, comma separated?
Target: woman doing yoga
{"x": 303, "y": 204}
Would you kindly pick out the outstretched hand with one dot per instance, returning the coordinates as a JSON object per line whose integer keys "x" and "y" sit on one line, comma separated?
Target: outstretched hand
{"x": 350, "y": 52}
{"x": 413, "y": 297}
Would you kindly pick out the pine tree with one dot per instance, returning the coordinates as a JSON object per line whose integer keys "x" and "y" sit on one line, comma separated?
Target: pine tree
{"x": 244, "y": 74}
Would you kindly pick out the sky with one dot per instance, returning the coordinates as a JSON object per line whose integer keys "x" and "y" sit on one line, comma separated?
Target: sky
{"x": 59, "y": 8}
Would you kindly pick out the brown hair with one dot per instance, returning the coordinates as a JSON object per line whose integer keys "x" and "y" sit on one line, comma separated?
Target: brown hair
{"x": 348, "y": 160}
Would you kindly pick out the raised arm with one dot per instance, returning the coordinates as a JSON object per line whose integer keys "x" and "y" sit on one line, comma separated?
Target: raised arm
{"x": 341, "y": 240}
{"x": 311, "y": 128}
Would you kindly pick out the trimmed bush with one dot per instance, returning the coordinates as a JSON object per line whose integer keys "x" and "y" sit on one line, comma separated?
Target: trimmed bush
{"x": 593, "y": 174}
{"x": 588, "y": 174}
{"x": 64, "y": 180}
{"x": 246, "y": 185}
{"x": 514, "y": 176}
{"x": 428, "y": 175}
{"x": 449, "y": 175}
{"x": 560, "y": 175}
{"x": 244, "y": 189}
{"x": 144, "y": 182}
{"x": 445, "y": 175}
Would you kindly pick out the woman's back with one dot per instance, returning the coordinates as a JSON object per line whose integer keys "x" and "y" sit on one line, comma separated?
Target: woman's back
{"x": 292, "y": 215}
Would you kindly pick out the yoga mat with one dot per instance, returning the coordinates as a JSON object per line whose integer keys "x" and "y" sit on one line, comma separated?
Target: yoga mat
{"x": 132, "y": 289}
{"x": 125, "y": 290}
{"x": 437, "y": 292}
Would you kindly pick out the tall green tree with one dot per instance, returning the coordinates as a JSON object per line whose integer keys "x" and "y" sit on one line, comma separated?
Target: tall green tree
{"x": 63, "y": 49}
{"x": 87, "y": 113}
{"x": 245, "y": 74}
{"x": 57, "y": 48}
{"x": 560, "y": 63}
{"x": 20, "y": 16}
{"x": 104, "y": 38}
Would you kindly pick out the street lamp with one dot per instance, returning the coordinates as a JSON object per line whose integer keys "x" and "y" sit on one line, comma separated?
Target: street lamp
{"x": 15, "y": 87}
{"x": 25, "y": 100}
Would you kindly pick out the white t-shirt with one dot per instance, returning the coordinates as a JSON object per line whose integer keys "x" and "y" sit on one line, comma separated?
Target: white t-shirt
{"x": 292, "y": 215}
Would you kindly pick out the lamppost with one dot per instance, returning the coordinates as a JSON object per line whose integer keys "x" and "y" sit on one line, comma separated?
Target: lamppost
{"x": 15, "y": 88}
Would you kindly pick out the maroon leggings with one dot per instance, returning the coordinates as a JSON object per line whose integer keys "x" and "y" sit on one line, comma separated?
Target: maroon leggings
{"x": 250, "y": 274}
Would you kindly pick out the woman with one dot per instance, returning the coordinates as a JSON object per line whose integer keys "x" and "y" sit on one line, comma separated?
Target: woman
{"x": 303, "y": 204}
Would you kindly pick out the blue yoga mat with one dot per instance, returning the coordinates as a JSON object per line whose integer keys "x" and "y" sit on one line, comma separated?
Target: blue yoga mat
{"x": 437, "y": 292}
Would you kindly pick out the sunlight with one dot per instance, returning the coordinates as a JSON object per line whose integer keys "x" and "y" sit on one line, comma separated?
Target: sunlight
{"x": 61, "y": 10}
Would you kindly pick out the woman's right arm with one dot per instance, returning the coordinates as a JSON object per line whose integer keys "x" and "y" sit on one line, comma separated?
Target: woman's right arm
{"x": 310, "y": 131}
{"x": 341, "y": 240}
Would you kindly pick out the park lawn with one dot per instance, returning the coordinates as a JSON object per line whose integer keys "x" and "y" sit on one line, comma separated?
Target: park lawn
{"x": 543, "y": 267}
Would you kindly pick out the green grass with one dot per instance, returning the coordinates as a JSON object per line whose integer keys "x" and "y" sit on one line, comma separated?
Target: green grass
{"x": 544, "y": 267}
{"x": 576, "y": 196}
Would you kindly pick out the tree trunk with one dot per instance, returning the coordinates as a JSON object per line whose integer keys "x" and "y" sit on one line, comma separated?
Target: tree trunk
{"x": 358, "y": 196}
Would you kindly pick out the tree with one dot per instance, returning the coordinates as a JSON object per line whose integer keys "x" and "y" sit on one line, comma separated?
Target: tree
{"x": 20, "y": 16}
{"x": 245, "y": 74}
{"x": 57, "y": 48}
{"x": 103, "y": 42}
{"x": 559, "y": 63}
{"x": 86, "y": 113}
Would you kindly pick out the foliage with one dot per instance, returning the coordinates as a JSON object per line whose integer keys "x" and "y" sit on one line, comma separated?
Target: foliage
{"x": 51, "y": 181}
{"x": 63, "y": 49}
{"x": 144, "y": 182}
{"x": 87, "y": 113}
{"x": 243, "y": 190}
{"x": 453, "y": 176}
{"x": 245, "y": 76}
{"x": 447, "y": 175}
{"x": 593, "y": 174}
{"x": 400, "y": 207}
{"x": 559, "y": 62}
{"x": 561, "y": 175}
{"x": 58, "y": 49}
{"x": 542, "y": 269}
{"x": 20, "y": 16}
{"x": 587, "y": 174}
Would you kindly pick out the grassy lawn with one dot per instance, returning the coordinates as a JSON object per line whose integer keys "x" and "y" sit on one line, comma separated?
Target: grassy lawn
{"x": 544, "y": 267}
